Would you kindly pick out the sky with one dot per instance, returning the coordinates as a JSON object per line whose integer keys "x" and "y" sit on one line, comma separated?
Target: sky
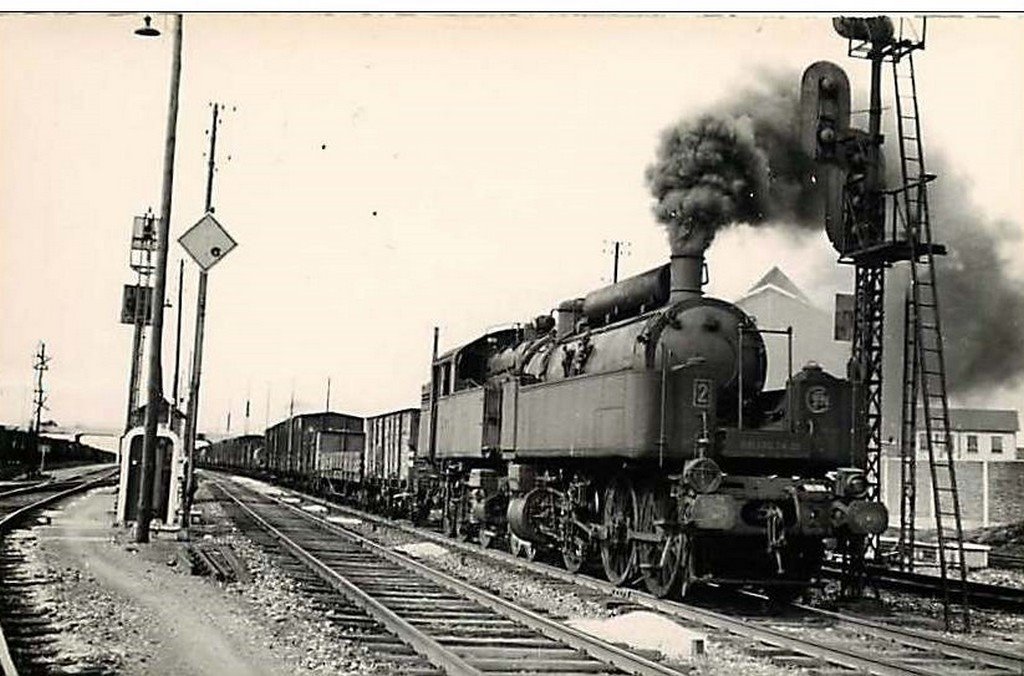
{"x": 384, "y": 174}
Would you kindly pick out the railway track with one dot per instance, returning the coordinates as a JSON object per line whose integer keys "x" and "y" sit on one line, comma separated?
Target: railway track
{"x": 457, "y": 627}
{"x": 982, "y": 595}
{"x": 24, "y": 631}
{"x": 1006, "y": 560}
{"x": 800, "y": 636}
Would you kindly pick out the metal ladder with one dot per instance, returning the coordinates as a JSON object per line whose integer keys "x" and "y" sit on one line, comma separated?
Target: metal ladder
{"x": 923, "y": 342}
{"x": 908, "y": 440}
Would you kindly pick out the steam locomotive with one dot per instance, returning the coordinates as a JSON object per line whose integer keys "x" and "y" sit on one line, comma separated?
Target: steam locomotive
{"x": 630, "y": 432}
{"x": 633, "y": 429}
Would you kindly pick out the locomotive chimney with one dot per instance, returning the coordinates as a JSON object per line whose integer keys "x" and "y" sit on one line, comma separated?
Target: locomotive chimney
{"x": 686, "y": 275}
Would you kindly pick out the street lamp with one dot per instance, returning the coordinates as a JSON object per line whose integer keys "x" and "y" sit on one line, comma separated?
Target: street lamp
{"x": 147, "y": 31}
{"x": 155, "y": 385}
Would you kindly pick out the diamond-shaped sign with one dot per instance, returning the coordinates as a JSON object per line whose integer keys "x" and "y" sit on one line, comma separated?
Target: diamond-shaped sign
{"x": 207, "y": 242}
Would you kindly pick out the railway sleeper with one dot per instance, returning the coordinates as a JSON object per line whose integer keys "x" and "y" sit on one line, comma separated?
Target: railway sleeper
{"x": 587, "y": 666}
{"x": 513, "y": 652}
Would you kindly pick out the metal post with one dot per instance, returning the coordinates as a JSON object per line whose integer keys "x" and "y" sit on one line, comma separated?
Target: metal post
{"x": 615, "y": 268}
{"x": 432, "y": 436}
{"x": 177, "y": 341}
{"x": 874, "y": 166}
{"x": 192, "y": 412}
{"x": 148, "y": 468}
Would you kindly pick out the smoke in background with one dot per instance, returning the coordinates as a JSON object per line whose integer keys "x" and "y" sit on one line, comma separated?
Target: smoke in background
{"x": 980, "y": 300}
{"x": 738, "y": 163}
{"x": 741, "y": 162}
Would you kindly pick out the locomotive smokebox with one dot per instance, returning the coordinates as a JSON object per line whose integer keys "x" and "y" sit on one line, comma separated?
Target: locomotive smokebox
{"x": 686, "y": 275}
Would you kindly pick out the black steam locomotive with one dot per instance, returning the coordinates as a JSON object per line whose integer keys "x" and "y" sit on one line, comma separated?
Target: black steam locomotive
{"x": 631, "y": 428}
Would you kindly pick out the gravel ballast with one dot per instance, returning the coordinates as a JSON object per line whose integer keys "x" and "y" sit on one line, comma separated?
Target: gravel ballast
{"x": 133, "y": 609}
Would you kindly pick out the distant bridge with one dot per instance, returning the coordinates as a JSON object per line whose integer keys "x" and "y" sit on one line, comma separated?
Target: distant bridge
{"x": 104, "y": 439}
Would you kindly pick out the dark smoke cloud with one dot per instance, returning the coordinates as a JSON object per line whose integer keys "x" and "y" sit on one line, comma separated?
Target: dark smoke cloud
{"x": 980, "y": 301}
{"x": 741, "y": 161}
{"x": 738, "y": 163}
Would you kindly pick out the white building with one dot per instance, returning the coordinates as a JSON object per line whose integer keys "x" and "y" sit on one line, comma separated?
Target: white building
{"x": 776, "y": 302}
{"x": 989, "y": 474}
{"x": 977, "y": 434}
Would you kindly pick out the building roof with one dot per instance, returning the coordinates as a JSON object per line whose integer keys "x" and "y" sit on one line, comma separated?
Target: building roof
{"x": 979, "y": 420}
{"x": 777, "y": 281}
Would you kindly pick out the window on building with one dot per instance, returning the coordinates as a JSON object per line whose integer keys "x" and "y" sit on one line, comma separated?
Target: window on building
{"x": 972, "y": 443}
{"x": 922, "y": 441}
{"x": 997, "y": 444}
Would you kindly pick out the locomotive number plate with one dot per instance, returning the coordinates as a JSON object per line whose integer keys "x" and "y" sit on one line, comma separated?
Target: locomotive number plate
{"x": 818, "y": 400}
{"x": 701, "y": 393}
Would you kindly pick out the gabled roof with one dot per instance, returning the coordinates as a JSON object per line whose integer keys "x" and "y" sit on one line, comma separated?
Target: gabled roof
{"x": 777, "y": 281}
{"x": 978, "y": 420}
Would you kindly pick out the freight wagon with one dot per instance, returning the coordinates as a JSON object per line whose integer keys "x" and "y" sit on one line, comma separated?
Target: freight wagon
{"x": 390, "y": 451}
{"x": 307, "y": 448}
{"x": 244, "y": 453}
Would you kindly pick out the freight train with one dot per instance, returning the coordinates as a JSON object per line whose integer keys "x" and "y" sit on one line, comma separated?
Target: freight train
{"x": 629, "y": 432}
{"x": 20, "y": 452}
{"x": 364, "y": 461}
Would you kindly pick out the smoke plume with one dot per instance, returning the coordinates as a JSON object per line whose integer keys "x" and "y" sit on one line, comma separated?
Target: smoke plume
{"x": 742, "y": 162}
{"x": 738, "y": 163}
{"x": 981, "y": 303}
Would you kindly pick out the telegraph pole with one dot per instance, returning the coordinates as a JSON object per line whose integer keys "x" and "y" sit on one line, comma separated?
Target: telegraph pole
{"x": 247, "y": 400}
{"x": 192, "y": 413}
{"x": 41, "y": 365}
{"x": 327, "y": 407}
{"x": 619, "y": 248}
{"x": 155, "y": 387}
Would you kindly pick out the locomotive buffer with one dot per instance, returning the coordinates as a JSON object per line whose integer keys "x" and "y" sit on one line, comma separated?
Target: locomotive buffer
{"x": 849, "y": 165}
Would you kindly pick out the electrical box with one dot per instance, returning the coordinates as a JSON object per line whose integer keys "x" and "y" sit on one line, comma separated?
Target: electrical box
{"x": 168, "y": 477}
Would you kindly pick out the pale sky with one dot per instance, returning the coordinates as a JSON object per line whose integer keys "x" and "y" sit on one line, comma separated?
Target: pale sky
{"x": 473, "y": 168}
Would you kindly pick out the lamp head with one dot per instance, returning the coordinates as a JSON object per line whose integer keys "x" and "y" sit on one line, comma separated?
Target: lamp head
{"x": 147, "y": 31}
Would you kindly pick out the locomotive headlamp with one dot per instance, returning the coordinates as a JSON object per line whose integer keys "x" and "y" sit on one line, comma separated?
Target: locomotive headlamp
{"x": 703, "y": 475}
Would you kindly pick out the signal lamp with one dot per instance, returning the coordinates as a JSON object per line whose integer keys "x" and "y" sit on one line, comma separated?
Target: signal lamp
{"x": 876, "y": 29}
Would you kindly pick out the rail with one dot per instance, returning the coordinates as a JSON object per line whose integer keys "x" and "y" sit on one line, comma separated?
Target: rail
{"x": 934, "y": 647}
{"x": 440, "y": 655}
{"x": 64, "y": 489}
